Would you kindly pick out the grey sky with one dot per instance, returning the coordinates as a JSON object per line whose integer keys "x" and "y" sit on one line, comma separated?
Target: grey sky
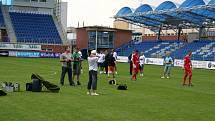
{"x": 99, "y": 12}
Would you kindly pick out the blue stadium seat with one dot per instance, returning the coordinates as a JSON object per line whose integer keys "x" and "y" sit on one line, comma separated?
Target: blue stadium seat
{"x": 35, "y": 28}
{"x": 202, "y": 50}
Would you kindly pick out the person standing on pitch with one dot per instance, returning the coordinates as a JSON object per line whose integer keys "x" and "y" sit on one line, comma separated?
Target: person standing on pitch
{"x": 105, "y": 62}
{"x": 130, "y": 62}
{"x": 101, "y": 61}
{"x": 135, "y": 64}
{"x": 115, "y": 56}
{"x": 76, "y": 65}
{"x": 142, "y": 62}
{"x": 168, "y": 61}
{"x": 187, "y": 68}
{"x": 66, "y": 60}
{"x": 111, "y": 65}
{"x": 93, "y": 68}
{"x": 81, "y": 61}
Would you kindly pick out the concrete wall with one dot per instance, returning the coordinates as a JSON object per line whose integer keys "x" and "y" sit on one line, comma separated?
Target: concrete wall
{"x": 152, "y": 38}
{"x": 64, "y": 6}
{"x": 55, "y": 48}
{"x": 47, "y": 4}
{"x": 82, "y": 38}
{"x": 122, "y": 37}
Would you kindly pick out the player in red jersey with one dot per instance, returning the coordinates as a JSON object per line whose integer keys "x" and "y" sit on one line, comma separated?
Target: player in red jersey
{"x": 135, "y": 61}
{"x": 187, "y": 68}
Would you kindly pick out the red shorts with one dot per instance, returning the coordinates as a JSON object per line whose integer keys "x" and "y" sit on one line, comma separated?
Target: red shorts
{"x": 111, "y": 69}
{"x": 187, "y": 71}
{"x": 136, "y": 70}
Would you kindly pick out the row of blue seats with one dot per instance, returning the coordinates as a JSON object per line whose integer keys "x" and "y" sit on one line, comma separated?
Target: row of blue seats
{"x": 35, "y": 28}
{"x": 179, "y": 53}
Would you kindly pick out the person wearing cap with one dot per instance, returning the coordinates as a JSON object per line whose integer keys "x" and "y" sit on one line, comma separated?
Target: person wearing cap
{"x": 93, "y": 68}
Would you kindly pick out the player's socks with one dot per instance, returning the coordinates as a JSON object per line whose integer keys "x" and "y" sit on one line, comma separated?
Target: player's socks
{"x": 190, "y": 77}
{"x": 185, "y": 77}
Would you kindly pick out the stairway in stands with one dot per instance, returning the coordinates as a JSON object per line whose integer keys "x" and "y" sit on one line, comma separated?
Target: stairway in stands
{"x": 8, "y": 24}
{"x": 35, "y": 28}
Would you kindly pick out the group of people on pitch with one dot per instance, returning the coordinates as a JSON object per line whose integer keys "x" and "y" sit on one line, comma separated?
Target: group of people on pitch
{"x": 95, "y": 60}
{"x": 69, "y": 60}
{"x": 137, "y": 64}
{"x": 168, "y": 62}
{"x": 108, "y": 61}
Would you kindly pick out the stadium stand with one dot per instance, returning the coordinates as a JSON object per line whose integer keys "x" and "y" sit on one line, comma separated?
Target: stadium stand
{"x": 35, "y": 28}
{"x": 150, "y": 48}
{"x": 202, "y": 50}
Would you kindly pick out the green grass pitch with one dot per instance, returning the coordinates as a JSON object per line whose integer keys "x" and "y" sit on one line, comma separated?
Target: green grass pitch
{"x": 148, "y": 99}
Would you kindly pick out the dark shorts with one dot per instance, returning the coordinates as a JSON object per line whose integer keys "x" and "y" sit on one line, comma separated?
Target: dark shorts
{"x": 76, "y": 69}
{"x": 101, "y": 65}
{"x": 141, "y": 67}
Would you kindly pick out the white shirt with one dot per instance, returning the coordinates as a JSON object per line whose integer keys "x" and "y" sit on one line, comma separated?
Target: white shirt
{"x": 142, "y": 60}
{"x": 115, "y": 55}
{"x": 92, "y": 61}
{"x": 64, "y": 56}
{"x": 101, "y": 58}
{"x": 79, "y": 52}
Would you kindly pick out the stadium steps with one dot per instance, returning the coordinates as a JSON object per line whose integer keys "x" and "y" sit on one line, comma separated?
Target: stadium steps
{"x": 202, "y": 50}
{"x": 35, "y": 28}
{"x": 60, "y": 29}
{"x": 159, "y": 50}
{"x": 8, "y": 24}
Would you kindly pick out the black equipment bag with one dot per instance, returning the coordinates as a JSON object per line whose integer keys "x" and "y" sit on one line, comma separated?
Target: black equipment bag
{"x": 112, "y": 82}
{"x": 28, "y": 86}
{"x": 36, "y": 85}
{"x": 50, "y": 86}
{"x": 122, "y": 87}
{"x": 2, "y": 93}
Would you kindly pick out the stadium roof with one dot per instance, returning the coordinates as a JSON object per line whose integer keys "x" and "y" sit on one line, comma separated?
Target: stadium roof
{"x": 191, "y": 13}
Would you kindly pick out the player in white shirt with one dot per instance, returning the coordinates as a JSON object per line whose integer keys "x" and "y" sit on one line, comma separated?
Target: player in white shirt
{"x": 101, "y": 62}
{"x": 79, "y": 52}
{"x": 142, "y": 62}
{"x": 93, "y": 68}
{"x": 115, "y": 56}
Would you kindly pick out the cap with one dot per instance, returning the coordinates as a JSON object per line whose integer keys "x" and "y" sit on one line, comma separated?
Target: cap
{"x": 93, "y": 51}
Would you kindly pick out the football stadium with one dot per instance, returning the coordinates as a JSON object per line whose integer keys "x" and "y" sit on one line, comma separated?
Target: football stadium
{"x": 156, "y": 63}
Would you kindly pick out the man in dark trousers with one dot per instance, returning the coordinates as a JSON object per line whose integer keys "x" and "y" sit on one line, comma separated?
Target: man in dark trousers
{"x": 66, "y": 60}
{"x": 130, "y": 63}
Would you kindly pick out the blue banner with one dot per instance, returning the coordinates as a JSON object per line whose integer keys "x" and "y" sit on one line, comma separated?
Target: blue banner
{"x": 36, "y": 54}
{"x": 28, "y": 54}
{"x": 49, "y": 55}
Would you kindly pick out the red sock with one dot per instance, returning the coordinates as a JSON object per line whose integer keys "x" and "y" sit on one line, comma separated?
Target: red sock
{"x": 190, "y": 77}
{"x": 185, "y": 77}
{"x": 134, "y": 76}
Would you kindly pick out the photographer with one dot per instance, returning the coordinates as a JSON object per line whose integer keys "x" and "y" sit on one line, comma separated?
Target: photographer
{"x": 66, "y": 60}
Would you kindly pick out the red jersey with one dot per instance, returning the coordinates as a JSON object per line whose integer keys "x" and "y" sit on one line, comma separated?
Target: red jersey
{"x": 135, "y": 59}
{"x": 187, "y": 61}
